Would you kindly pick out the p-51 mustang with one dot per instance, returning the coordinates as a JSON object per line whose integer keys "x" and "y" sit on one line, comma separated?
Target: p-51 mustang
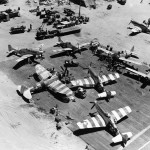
{"x": 25, "y": 53}
{"x": 49, "y": 81}
{"x": 107, "y": 121}
{"x": 146, "y": 77}
{"x": 69, "y": 49}
{"x": 95, "y": 81}
{"x": 140, "y": 27}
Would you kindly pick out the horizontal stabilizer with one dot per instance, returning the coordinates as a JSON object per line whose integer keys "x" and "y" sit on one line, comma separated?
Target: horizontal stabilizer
{"x": 27, "y": 94}
{"x": 119, "y": 138}
{"x": 11, "y": 52}
{"x": 106, "y": 94}
{"x": 136, "y": 30}
{"x": 25, "y": 91}
{"x": 22, "y": 88}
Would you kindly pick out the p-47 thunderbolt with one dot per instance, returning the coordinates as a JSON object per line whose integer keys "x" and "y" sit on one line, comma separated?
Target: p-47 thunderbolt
{"x": 95, "y": 81}
{"x": 48, "y": 81}
{"x": 25, "y": 53}
{"x": 140, "y": 27}
{"x": 107, "y": 121}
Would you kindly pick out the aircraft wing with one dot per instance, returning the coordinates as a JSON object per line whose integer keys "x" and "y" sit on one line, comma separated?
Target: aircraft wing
{"x": 137, "y": 72}
{"x": 24, "y": 57}
{"x": 84, "y": 45}
{"x": 57, "y": 86}
{"x": 93, "y": 122}
{"x": 59, "y": 52}
{"x": 87, "y": 82}
{"x": 120, "y": 113}
{"x": 62, "y": 50}
{"x": 105, "y": 51}
{"x": 130, "y": 61}
{"x": 42, "y": 72}
{"x": 109, "y": 77}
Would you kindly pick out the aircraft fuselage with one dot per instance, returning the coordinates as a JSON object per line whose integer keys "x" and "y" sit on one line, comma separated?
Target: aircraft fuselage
{"x": 22, "y": 52}
{"x": 107, "y": 120}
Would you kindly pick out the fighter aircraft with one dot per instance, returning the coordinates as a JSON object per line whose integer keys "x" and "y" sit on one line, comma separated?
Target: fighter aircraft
{"x": 25, "y": 53}
{"x": 107, "y": 121}
{"x": 140, "y": 27}
{"x": 67, "y": 48}
{"x": 122, "y": 55}
{"x": 48, "y": 81}
{"x": 95, "y": 81}
{"x": 146, "y": 77}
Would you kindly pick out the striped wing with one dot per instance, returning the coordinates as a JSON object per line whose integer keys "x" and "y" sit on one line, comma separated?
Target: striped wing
{"x": 93, "y": 122}
{"x": 58, "y": 87}
{"x": 87, "y": 82}
{"x": 42, "y": 72}
{"x": 120, "y": 113}
{"x": 109, "y": 77}
{"x": 24, "y": 57}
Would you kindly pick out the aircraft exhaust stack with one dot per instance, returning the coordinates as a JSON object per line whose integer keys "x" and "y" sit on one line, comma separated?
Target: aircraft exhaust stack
{"x": 106, "y": 94}
{"x": 118, "y": 138}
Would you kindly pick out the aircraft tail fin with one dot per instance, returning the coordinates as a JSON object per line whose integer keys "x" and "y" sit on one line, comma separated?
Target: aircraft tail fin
{"x": 132, "y": 49}
{"x": 119, "y": 138}
{"x": 25, "y": 91}
{"x": 59, "y": 39}
{"x": 133, "y": 54}
{"x": 10, "y": 48}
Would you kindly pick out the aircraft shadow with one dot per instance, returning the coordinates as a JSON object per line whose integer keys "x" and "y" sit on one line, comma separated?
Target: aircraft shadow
{"x": 87, "y": 131}
{"x": 57, "y": 55}
{"x": 22, "y": 63}
{"x": 115, "y": 144}
{"x": 110, "y": 83}
{"x": 133, "y": 34}
{"x": 36, "y": 78}
{"x": 136, "y": 77}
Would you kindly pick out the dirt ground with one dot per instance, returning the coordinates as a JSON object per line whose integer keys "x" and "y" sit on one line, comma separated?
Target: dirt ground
{"x": 23, "y": 125}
